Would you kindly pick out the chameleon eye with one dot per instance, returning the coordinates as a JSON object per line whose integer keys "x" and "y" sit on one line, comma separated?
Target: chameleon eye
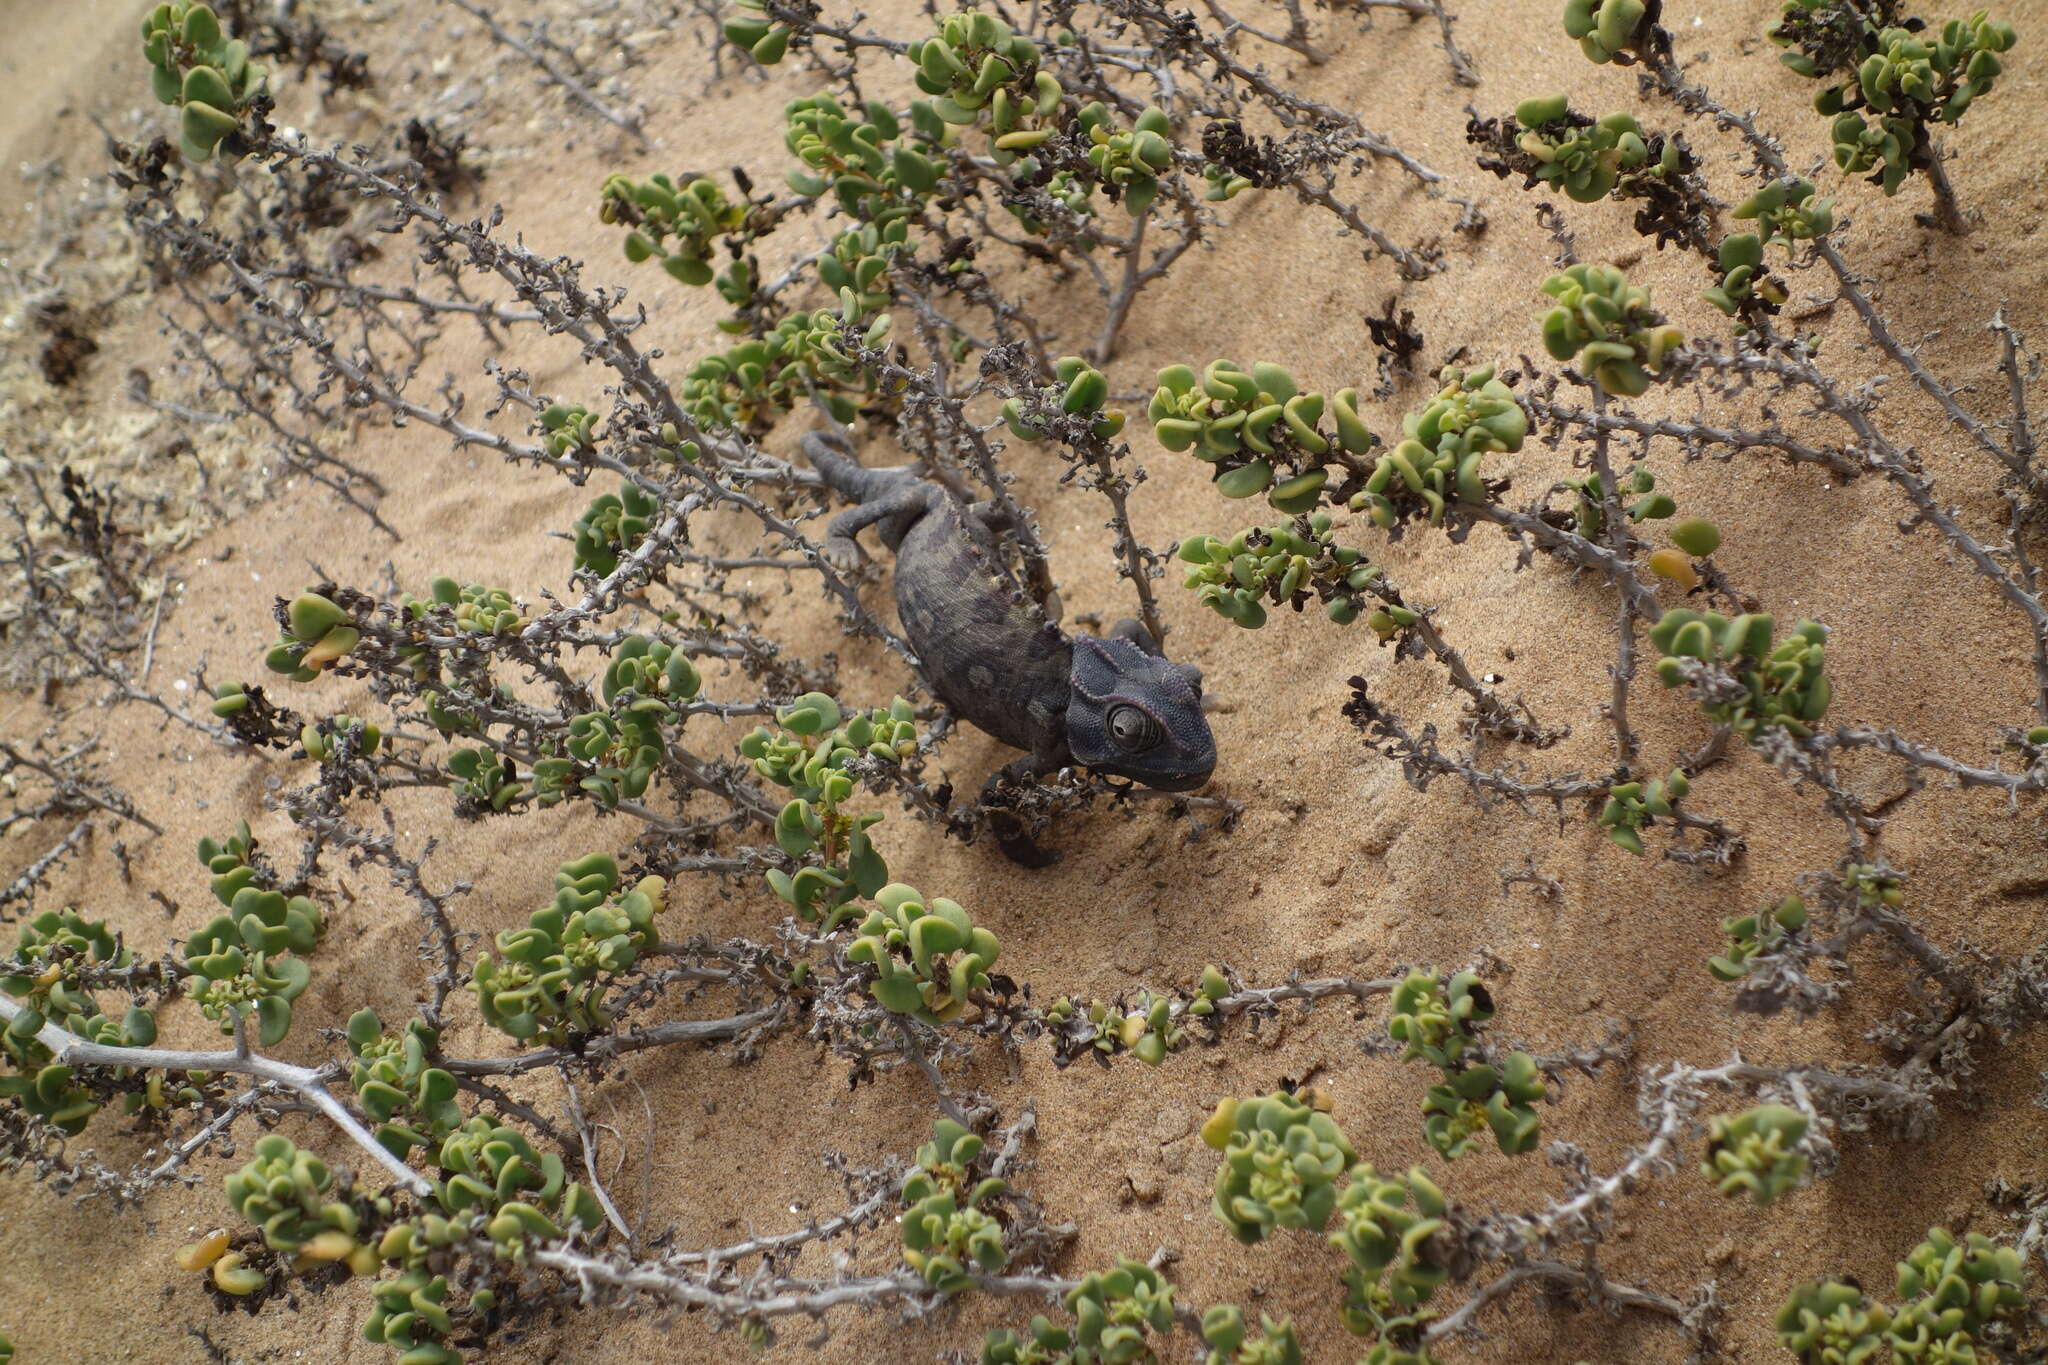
{"x": 1133, "y": 730}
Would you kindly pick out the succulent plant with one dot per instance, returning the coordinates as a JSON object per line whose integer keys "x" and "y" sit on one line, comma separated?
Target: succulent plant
{"x": 612, "y": 526}
{"x": 652, "y": 671}
{"x": 408, "y": 1314}
{"x": 202, "y": 1253}
{"x": 493, "y": 1186}
{"x": 1691, "y": 537}
{"x": 1291, "y": 563}
{"x": 244, "y": 958}
{"x": 1080, "y": 392}
{"x": 680, "y": 225}
{"x": 331, "y": 738}
{"x": 1788, "y": 213}
{"x": 474, "y": 608}
{"x": 1131, "y": 160}
{"x": 45, "y": 976}
{"x": 1548, "y": 143}
{"x": 1438, "y": 1020}
{"x": 231, "y": 698}
{"x": 947, "y": 1163}
{"x": 1115, "y": 1313}
{"x": 492, "y": 1175}
{"x": 1387, "y": 1226}
{"x": 612, "y": 756}
{"x": 969, "y": 60}
{"x": 410, "y": 1311}
{"x": 411, "y": 1102}
{"x": 1068, "y": 196}
{"x": 981, "y": 73}
{"x": 1224, "y": 183}
{"x": 51, "y": 954}
{"x": 1435, "y": 1019}
{"x": 1444, "y": 445}
{"x": 1744, "y": 281}
{"x": 859, "y": 261}
{"x": 1632, "y": 807}
{"x": 1603, "y": 27}
{"x": 1757, "y": 935}
{"x": 485, "y": 780}
{"x": 1874, "y": 886}
{"x": 1954, "y": 1289}
{"x": 1952, "y": 71}
{"x": 1231, "y": 1342}
{"x": 1780, "y": 685}
{"x": 945, "y": 1229}
{"x": 1831, "y": 1323}
{"x": 1212, "y": 987}
{"x": 46, "y": 1089}
{"x": 207, "y": 75}
{"x": 1113, "y": 1309}
{"x": 1042, "y": 1344}
{"x": 231, "y": 863}
{"x": 1635, "y": 486}
{"x": 1885, "y": 82}
{"x": 928, "y": 956}
{"x": 1282, "y": 1159}
{"x": 751, "y": 29}
{"x": 1756, "y": 1152}
{"x": 1258, "y": 428}
{"x": 288, "y": 1195}
{"x": 1961, "y": 1284}
{"x": 568, "y": 429}
{"x": 817, "y": 759}
{"x": 1581, "y": 156}
{"x": 1481, "y": 1097}
{"x": 471, "y": 609}
{"x": 862, "y": 157}
{"x": 759, "y": 380}
{"x": 549, "y": 979}
{"x": 1386, "y": 1353}
{"x": 1151, "y": 1031}
{"x": 317, "y": 635}
{"x": 1608, "y": 326}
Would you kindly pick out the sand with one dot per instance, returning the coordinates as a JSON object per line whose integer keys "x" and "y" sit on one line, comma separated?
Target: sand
{"x": 1337, "y": 865}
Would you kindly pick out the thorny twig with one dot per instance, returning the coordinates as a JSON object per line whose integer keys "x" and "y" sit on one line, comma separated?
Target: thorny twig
{"x": 552, "y": 68}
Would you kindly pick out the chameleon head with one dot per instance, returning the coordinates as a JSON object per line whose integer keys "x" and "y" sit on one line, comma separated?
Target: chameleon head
{"x": 1138, "y": 715}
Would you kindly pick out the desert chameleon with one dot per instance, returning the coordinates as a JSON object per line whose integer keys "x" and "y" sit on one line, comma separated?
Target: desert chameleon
{"x": 1112, "y": 703}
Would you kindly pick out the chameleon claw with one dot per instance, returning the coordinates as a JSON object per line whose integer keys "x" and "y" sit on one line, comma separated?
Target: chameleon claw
{"x": 1017, "y": 844}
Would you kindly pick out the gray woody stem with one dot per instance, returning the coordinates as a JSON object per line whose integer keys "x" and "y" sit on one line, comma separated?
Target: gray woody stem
{"x": 71, "y": 1050}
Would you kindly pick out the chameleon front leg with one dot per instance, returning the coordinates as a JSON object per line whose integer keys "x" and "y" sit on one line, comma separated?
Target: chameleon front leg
{"x": 998, "y": 795}
{"x": 1135, "y": 632}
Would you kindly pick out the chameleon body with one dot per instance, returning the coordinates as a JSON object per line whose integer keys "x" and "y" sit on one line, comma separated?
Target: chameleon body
{"x": 1111, "y": 703}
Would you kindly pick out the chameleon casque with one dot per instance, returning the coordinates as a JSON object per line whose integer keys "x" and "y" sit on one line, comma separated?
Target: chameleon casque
{"x": 1112, "y": 703}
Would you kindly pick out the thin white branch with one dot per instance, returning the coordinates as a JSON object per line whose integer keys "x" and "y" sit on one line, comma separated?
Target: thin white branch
{"x": 69, "y": 1049}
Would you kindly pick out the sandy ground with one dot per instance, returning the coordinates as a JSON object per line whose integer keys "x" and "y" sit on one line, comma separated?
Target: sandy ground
{"x": 1337, "y": 867}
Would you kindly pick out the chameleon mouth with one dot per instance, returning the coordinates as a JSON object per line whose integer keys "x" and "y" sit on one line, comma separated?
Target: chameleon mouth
{"x": 1185, "y": 783}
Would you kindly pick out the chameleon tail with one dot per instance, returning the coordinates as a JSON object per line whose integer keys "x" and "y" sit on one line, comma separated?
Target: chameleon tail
{"x": 844, "y": 474}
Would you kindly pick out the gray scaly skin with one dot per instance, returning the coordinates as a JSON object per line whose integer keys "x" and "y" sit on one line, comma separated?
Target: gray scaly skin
{"x": 1112, "y": 703}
